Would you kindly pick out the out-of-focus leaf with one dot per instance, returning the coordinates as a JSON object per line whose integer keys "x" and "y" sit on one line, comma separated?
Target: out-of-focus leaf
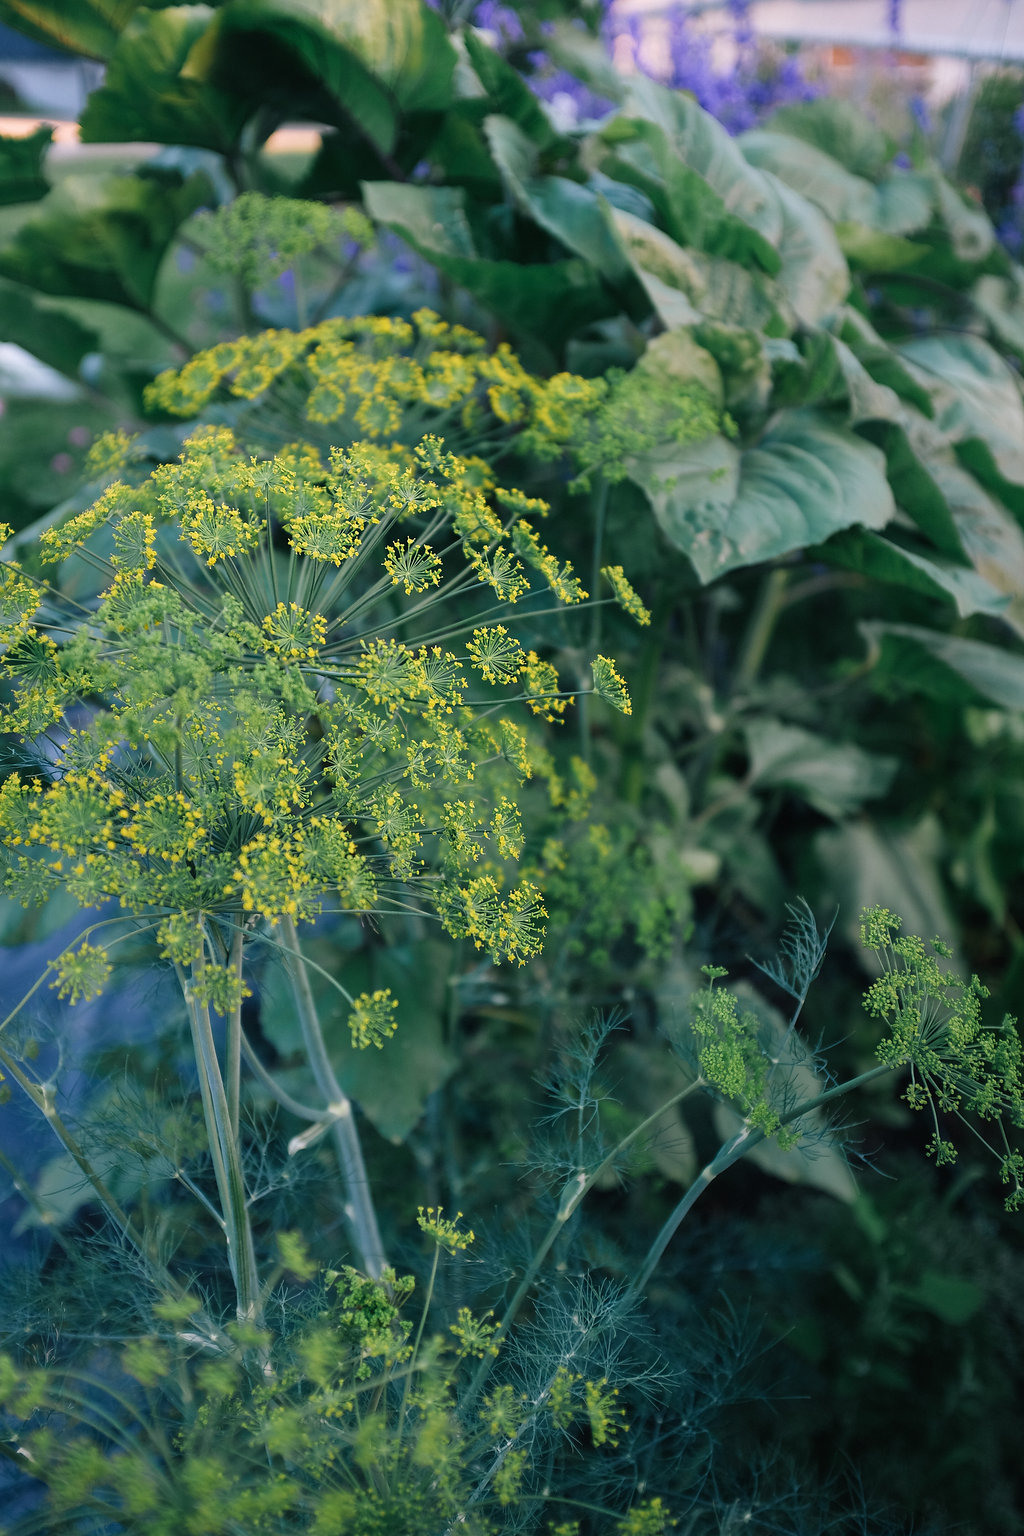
{"x": 883, "y": 364}
{"x": 102, "y": 237}
{"x": 995, "y": 673}
{"x": 371, "y": 61}
{"x": 89, "y": 27}
{"x": 835, "y": 777}
{"x": 864, "y": 864}
{"x": 686, "y": 286}
{"x": 992, "y": 539}
{"x": 977, "y": 398}
{"x": 390, "y": 1085}
{"x": 817, "y": 1160}
{"x": 883, "y": 560}
{"x": 954, "y": 1301}
{"x": 567, "y": 210}
{"x": 839, "y": 129}
{"x": 54, "y": 337}
{"x": 875, "y": 250}
{"x": 549, "y": 301}
{"x": 805, "y": 480}
{"x": 509, "y": 96}
{"x": 1001, "y": 302}
{"x": 813, "y": 275}
{"x": 969, "y": 227}
{"x": 148, "y": 92}
{"x": 813, "y": 173}
{"x": 21, "y": 167}
{"x": 690, "y": 209}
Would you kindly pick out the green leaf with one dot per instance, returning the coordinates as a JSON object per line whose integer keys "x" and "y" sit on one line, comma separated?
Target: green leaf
{"x": 102, "y": 237}
{"x": 148, "y": 92}
{"x": 1001, "y": 302}
{"x": 367, "y": 61}
{"x": 992, "y": 672}
{"x": 837, "y": 128}
{"x": 977, "y": 404}
{"x": 89, "y": 27}
{"x": 686, "y": 287}
{"x": 509, "y": 96}
{"x": 567, "y": 210}
{"x": 814, "y": 174}
{"x": 991, "y": 537}
{"x": 702, "y": 143}
{"x": 54, "y": 337}
{"x": 969, "y": 227}
{"x": 690, "y": 209}
{"x": 805, "y": 480}
{"x": 21, "y": 167}
{"x": 916, "y": 491}
{"x": 882, "y": 559}
{"x": 865, "y": 864}
{"x": 875, "y": 250}
{"x": 814, "y": 275}
{"x": 835, "y": 777}
{"x": 878, "y": 357}
{"x": 548, "y": 301}
{"x": 954, "y": 1301}
{"x": 905, "y": 202}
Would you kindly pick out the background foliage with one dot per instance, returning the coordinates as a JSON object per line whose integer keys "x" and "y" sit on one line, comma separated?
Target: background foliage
{"x": 807, "y": 460}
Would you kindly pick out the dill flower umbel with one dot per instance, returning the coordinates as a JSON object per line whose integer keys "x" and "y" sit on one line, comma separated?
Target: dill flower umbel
{"x": 261, "y": 734}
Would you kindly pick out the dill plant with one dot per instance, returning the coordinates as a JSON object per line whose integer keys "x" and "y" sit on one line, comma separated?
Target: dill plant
{"x": 295, "y": 678}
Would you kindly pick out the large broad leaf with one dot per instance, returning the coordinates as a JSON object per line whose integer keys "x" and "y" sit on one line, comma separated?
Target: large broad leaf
{"x": 839, "y": 129}
{"x": 813, "y": 275}
{"x": 508, "y": 95}
{"x": 686, "y": 286}
{"x": 367, "y": 61}
{"x": 21, "y": 167}
{"x": 571, "y": 212}
{"x": 864, "y": 865}
{"x": 102, "y": 237}
{"x": 148, "y": 93}
{"x": 805, "y": 480}
{"x": 978, "y": 406}
{"x": 390, "y": 1085}
{"x": 89, "y": 27}
{"x": 548, "y": 300}
{"x": 688, "y": 207}
{"x": 702, "y": 143}
{"x": 1001, "y": 301}
{"x": 54, "y": 337}
{"x": 835, "y": 777}
{"x": 993, "y": 672}
{"x": 883, "y": 560}
{"x": 884, "y": 365}
{"x": 991, "y": 538}
{"x": 812, "y": 173}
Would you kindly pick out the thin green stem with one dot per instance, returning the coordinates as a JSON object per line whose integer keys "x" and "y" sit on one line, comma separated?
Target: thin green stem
{"x": 730, "y": 1152}
{"x": 233, "y": 1062}
{"x": 575, "y": 1191}
{"x": 359, "y": 1207}
{"x": 227, "y": 1161}
{"x": 770, "y": 603}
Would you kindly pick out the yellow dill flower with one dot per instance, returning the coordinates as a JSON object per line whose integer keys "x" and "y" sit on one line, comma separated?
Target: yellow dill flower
{"x": 609, "y": 685}
{"x": 624, "y": 593}
{"x": 134, "y": 541}
{"x": 412, "y": 565}
{"x": 293, "y": 633}
{"x": 541, "y": 681}
{"x": 259, "y": 360}
{"x": 372, "y": 1019}
{"x": 499, "y": 570}
{"x": 497, "y": 654}
{"x": 81, "y": 973}
{"x": 215, "y": 532}
{"x": 445, "y": 1232}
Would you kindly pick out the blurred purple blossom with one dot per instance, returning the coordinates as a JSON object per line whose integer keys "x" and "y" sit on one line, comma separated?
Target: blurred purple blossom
{"x": 740, "y": 95}
{"x": 896, "y": 17}
{"x": 62, "y": 463}
{"x": 921, "y": 114}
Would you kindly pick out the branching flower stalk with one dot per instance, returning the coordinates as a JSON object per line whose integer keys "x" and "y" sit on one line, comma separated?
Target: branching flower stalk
{"x": 257, "y": 737}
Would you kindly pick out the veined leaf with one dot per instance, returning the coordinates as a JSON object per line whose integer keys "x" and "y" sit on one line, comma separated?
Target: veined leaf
{"x": 812, "y": 173}
{"x": 88, "y": 27}
{"x": 881, "y": 559}
{"x": 805, "y": 480}
{"x": 992, "y": 671}
{"x": 149, "y": 93}
{"x": 54, "y": 337}
{"x": 508, "y": 95}
{"x": 102, "y": 237}
{"x": 367, "y": 61}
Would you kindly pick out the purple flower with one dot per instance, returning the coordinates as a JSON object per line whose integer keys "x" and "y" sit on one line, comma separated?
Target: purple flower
{"x": 902, "y": 161}
{"x": 896, "y": 17}
{"x": 1018, "y": 120}
{"x": 502, "y": 20}
{"x": 920, "y": 113}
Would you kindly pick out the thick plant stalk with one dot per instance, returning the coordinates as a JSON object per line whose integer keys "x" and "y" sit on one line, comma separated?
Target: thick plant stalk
{"x": 227, "y": 1161}
{"x": 359, "y": 1208}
